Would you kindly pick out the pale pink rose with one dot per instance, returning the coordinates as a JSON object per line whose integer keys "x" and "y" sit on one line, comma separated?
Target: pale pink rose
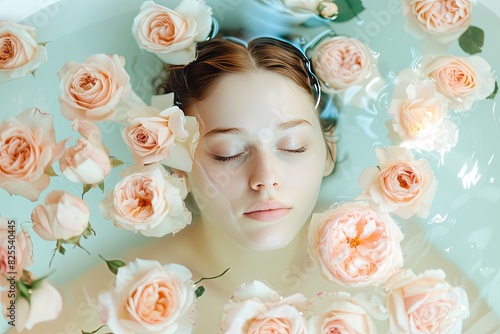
{"x": 45, "y": 305}
{"x": 16, "y": 255}
{"x": 256, "y": 308}
{"x": 420, "y": 118}
{"x": 27, "y": 148}
{"x": 151, "y": 135}
{"x": 341, "y": 62}
{"x": 172, "y": 34}
{"x": 96, "y": 90}
{"x": 425, "y": 304}
{"x": 150, "y": 298}
{"x": 462, "y": 80}
{"x": 399, "y": 184}
{"x": 20, "y": 52}
{"x": 440, "y": 20}
{"x": 355, "y": 245}
{"x": 328, "y": 10}
{"x": 339, "y": 312}
{"x": 148, "y": 200}
{"x": 88, "y": 162}
{"x": 63, "y": 216}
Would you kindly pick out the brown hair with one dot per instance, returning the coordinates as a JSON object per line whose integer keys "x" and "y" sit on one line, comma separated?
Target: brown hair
{"x": 219, "y": 57}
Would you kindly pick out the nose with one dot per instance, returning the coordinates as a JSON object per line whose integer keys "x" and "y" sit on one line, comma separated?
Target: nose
{"x": 263, "y": 173}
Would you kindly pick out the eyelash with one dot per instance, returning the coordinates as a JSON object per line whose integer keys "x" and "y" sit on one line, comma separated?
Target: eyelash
{"x": 233, "y": 157}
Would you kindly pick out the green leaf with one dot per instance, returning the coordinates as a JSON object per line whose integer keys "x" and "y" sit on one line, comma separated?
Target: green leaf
{"x": 348, "y": 9}
{"x": 36, "y": 283}
{"x": 378, "y": 167}
{"x": 50, "y": 171}
{"x": 199, "y": 291}
{"x": 101, "y": 186}
{"x": 44, "y": 43}
{"x": 207, "y": 278}
{"x": 113, "y": 265}
{"x": 495, "y": 91}
{"x": 472, "y": 40}
{"x": 115, "y": 162}
{"x": 86, "y": 188}
{"x": 23, "y": 291}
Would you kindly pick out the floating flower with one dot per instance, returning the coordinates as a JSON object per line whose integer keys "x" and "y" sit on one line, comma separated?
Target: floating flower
{"x": 340, "y": 312}
{"x": 425, "y": 303}
{"x": 16, "y": 253}
{"x": 341, "y": 62}
{"x": 443, "y": 21}
{"x": 462, "y": 80}
{"x": 63, "y": 216}
{"x": 149, "y": 297}
{"x": 172, "y": 34}
{"x": 28, "y": 149}
{"x": 256, "y": 308}
{"x": 88, "y": 162}
{"x": 399, "y": 184}
{"x": 96, "y": 90}
{"x": 148, "y": 200}
{"x": 20, "y": 52}
{"x": 166, "y": 136}
{"x": 420, "y": 118}
{"x": 355, "y": 245}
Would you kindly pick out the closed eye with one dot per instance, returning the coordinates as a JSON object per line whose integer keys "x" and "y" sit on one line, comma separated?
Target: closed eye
{"x": 299, "y": 150}
{"x": 232, "y": 157}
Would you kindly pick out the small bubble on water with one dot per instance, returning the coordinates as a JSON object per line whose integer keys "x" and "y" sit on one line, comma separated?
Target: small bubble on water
{"x": 360, "y": 22}
{"x": 447, "y": 250}
{"x": 487, "y": 272}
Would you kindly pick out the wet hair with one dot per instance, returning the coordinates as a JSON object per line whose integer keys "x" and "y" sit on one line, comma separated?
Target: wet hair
{"x": 219, "y": 57}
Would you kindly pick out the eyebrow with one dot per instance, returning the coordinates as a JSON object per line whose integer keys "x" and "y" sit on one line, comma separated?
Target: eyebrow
{"x": 238, "y": 131}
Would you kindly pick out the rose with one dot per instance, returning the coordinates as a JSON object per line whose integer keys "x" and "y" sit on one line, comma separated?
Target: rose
{"x": 355, "y": 245}
{"x": 443, "y": 21}
{"x": 341, "y": 62}
{"x": 20, "y": 249}
{"x": 462, "y": 80}
{"x": 45, "y": 304}
{"x": 63, "y": 216}
{"x": 172, "y": 34}
{"x": 96, "y": 89}
{"x": 19, "y": 50}
{"x": 340, "y": 313}
{"x": 152, "y": 133}
{"x": 87, "y": 162}
{"x": 425, "y": 304}
{"x": 27, "y": 150}
{"x": 328, "y": 10}
{"x": 148, "y": 200}
{"x": 149, "y": 297}
{"x": 302, "y": 5}
{"x": 419, "y": 118}
{"x": 399, "y": 184}
{"x": 256, "y": 308}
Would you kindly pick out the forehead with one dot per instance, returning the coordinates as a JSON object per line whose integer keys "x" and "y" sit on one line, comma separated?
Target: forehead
{"x": 252, "y": 101}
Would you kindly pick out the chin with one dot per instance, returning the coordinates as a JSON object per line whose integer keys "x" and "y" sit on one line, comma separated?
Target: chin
{"x": 268, "y": 240}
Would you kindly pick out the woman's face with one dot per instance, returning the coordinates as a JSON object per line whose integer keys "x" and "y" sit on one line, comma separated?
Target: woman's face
{"x": 260, "y": 159}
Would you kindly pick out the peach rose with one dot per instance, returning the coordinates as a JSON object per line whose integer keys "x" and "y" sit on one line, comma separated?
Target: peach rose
{"x": 443, "y": 21}
{"x": 462, "y": 80}
{"x": 355, "y": 245}
{"x": 425, "y": 304}
{"x": 148, "y": 200}
{"x": 256, "y": 308}
{"x": 152, "y": 134}
{"x": 420, "y": 118}
{"x": 341, "y": 62}
{"x": 87, "y": 162}
{"x": 45, "y": 304}
{"x": 97, "y": 89}
{"x": 149, "y": 297}
{"x": 399, "y": 184}
{"x": 19, "y": 50}
{"x": 16, "y": 250}
{"x": 339, "y": 312}
{"x": 27, "y": 149}
{"x": 328, "y": 10}
{"x": 172, "y": 34}
{"x": 63, "y": 216}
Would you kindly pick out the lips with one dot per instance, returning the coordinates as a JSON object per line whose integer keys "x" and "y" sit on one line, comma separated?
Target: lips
{"x": 267, "y": 211}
